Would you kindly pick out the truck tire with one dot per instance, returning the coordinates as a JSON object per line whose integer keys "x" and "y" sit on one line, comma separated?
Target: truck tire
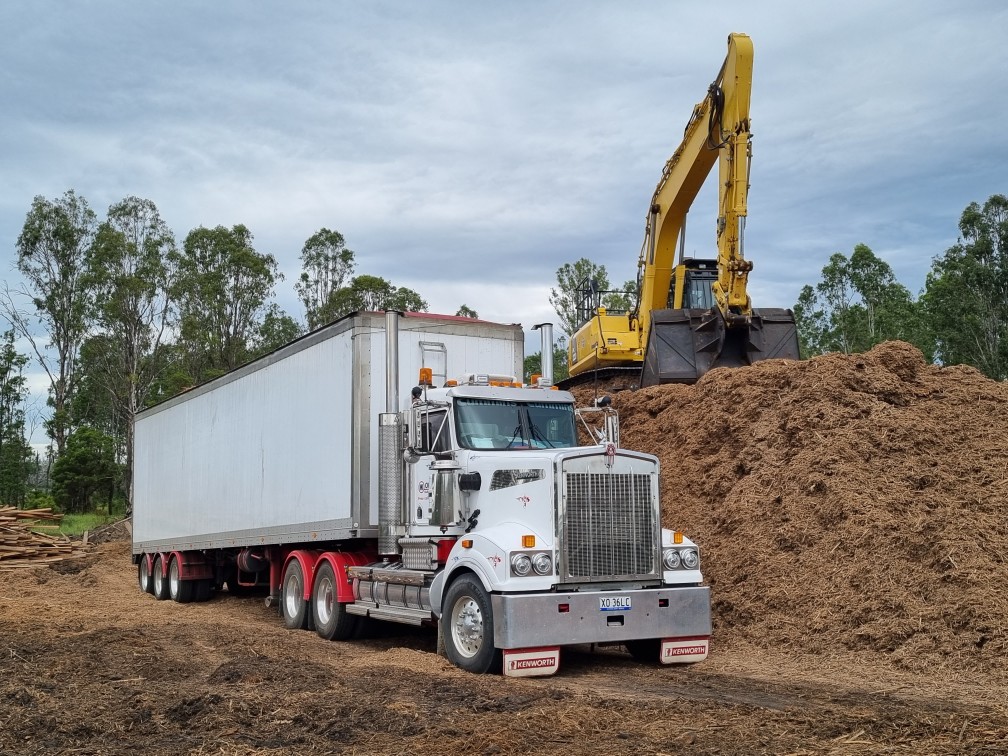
{"x": 332, "y": 620}
{"x": 180, "y": 590}
{"x": 159, "y": 583}
{"x": 295, "y": 610}
{"x": 144, "y": 577}
{"x": 468, "y": 626}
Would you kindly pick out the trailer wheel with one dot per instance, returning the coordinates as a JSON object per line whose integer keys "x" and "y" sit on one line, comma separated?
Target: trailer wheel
{"x": 295, "y": 610}
{"x": 144, "y": 577}
{"x": 468, "y": 626}
{"x": 332, "y": 620}
{"x": 645, "y": 651}
{"x": 180, "y": 590}
{"x": 159, "y": 584}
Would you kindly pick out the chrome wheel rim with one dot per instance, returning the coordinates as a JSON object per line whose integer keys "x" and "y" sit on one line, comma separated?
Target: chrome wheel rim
{"x": 324, "y": 600}
{"x": 467, "y": 626}
{"x": 292, "y": 599}
{"x": 173, "y": 578}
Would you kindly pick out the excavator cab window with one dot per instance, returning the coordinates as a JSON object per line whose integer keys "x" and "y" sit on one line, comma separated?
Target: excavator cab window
{"x": 697, "y": 293}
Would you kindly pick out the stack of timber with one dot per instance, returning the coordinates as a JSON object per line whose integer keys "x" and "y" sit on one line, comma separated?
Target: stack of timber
{"x": 24, "y": 541}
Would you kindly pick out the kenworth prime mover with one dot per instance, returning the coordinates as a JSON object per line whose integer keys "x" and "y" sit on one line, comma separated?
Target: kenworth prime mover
{"x": 461, "y": 500}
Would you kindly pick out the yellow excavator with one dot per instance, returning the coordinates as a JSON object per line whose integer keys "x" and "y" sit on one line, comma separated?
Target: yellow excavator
{"x": 692, "y": 315}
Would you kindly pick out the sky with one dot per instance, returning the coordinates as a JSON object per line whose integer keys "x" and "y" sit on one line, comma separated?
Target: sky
{"x": 468, "y": 150}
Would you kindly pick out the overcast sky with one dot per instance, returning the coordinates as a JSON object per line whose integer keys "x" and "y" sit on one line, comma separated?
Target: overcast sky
{"x": 467, "y": 150}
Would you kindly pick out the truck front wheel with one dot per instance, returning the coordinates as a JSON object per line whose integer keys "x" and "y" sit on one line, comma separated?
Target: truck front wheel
{"x": 295, "y": 610}
{"x": 332, "y": 621}
{"x": 468, "y": 626}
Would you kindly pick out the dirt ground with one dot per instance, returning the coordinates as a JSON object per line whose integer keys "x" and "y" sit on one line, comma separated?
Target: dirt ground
{"x": 853, "y": 518}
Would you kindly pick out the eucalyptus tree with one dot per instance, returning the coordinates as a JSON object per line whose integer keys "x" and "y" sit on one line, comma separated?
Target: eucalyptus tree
{"x": 327, "y": 266}
{"x": 52, "y": 257}
{"x": 132, "y": 271}
{"x": 965, "y": 297}
{"x": 221, "y": 290}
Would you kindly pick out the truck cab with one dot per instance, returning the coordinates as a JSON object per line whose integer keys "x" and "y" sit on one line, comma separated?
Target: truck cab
{"x": 545, "y": 542}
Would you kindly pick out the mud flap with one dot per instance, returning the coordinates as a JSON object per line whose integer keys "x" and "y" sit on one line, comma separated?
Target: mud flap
{"x": 531, "y": 662}
{"x": 685, "y": 344}
{"x": 684, "y": 650}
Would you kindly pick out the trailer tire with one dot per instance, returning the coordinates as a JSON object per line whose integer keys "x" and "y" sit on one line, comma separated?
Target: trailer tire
{"x": 144, "y": 577}
{"x": 646, "y": 651}
{"x": 468, "y": 626}
{"x": 332, "y": 620}
{"x": 159, "y": 583}
{"x": 295, "y": 610}
{"x": 181, "y": 591}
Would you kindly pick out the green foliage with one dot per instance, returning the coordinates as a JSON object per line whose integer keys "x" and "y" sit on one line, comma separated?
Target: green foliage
{"x": 622, "y": 300}
{"x": 277, "y": 328}
{"x": 87, "y": 472}
{"x": 533, "y": 362}
{"x": 326, "y": 266}
{"x": 76, "y": 524}
{"x": 965, "y": 299}
{"x": 858, "y": 303}
{"x": 372, "y": 293}
{"x": 564, "y": 298}
{"x": 222, "y": 287}
{"x": 53, "y": 248}
{"x": 17, "y": 461}
{"x": 465, "y": 311}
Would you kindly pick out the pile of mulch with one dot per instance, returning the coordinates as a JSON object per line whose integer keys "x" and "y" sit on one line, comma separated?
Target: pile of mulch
{"x": 847, "y": 502}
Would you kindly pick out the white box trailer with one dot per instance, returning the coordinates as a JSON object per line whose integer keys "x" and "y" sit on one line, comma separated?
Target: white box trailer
{"x": 326, "y": 475}
{"x": 283, "y": 450}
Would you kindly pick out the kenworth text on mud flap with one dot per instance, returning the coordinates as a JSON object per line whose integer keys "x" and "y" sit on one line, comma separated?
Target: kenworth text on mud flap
{"x": 466, "y": 505}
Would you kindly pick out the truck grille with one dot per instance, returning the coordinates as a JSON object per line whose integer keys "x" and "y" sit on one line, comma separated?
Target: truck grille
{"x": 610, "y": 527}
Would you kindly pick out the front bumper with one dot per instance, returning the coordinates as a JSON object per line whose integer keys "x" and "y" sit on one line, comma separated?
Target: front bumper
{"x": 535, "y": 619}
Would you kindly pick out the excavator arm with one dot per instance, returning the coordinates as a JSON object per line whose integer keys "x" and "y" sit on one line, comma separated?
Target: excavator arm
{"x": 717, "y": 132}
{"x": 692, "y": 314}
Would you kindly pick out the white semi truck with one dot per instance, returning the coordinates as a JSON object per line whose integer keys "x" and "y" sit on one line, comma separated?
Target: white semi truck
{"x": 467, "y": 505}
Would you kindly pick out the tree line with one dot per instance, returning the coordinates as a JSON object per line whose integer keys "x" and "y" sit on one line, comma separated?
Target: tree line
{"x": 119, "y": 316}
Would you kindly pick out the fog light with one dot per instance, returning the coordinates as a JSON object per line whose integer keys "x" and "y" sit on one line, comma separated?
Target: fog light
{"x": 521, "y": 565}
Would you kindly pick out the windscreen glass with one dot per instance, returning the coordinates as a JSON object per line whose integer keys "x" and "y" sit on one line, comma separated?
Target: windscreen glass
{"x": 494, "y": 424}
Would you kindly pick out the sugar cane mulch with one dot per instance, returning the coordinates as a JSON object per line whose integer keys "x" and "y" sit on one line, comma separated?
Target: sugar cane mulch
{"x": 29, "y": 538}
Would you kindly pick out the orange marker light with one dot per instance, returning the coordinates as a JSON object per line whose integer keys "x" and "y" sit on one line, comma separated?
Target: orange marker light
{"x": 676, "y": 537}
{"x": 528, "y": 541}
{"x": 467, "y": 543}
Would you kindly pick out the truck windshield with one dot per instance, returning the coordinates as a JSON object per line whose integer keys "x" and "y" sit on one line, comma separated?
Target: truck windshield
{"x": 494, "y": 424}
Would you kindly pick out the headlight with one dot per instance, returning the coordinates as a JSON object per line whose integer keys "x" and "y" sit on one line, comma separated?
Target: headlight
{"x": 521, "y": 565}
{"x": 542, "y": 564}
{"x": 671, "y": 559}
{"x": 690, "y": 559}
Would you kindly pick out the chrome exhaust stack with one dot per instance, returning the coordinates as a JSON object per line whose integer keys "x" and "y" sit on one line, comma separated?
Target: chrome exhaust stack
{"x": 391, "y": 523}
{"x": 546, "y": 352}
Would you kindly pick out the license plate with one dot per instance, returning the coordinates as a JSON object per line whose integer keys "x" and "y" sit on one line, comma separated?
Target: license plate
{"x": 614, "y": 603}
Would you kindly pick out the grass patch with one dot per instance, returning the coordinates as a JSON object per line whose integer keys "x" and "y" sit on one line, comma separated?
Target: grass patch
{"x": 76, "y": 524}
